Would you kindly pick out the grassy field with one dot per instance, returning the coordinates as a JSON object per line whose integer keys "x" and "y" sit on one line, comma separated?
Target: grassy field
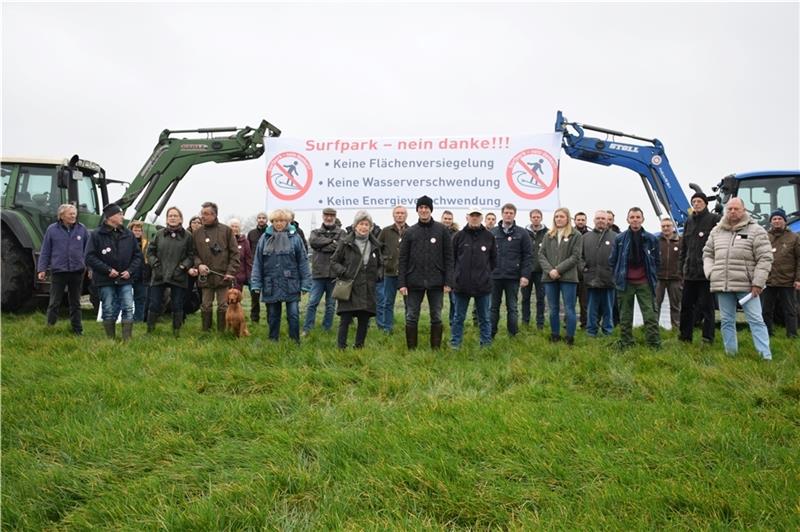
{"x": 213, "y": 433}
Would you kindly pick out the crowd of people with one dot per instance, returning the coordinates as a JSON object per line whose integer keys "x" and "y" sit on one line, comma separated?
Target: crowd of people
{"x": 601, "y": 271}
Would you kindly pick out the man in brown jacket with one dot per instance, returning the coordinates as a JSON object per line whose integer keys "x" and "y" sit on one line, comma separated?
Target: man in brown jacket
{"x": 783, "y": 282}
{"x": 217, "y": 261}
{"x": 669, "y": 276}
{"x": 390, "y": 238}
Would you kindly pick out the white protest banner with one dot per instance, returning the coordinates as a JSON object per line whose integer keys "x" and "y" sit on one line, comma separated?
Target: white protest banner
{"x": 378, "y": 173}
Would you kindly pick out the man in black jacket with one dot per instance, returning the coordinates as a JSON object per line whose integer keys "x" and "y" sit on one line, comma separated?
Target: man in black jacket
{"x": 113, "y": 255}
{"x": 514, "y": 267}
{"x": 475, "y": 257}
{"x": 696, "y": 298}
{"x": 425, "y": 267}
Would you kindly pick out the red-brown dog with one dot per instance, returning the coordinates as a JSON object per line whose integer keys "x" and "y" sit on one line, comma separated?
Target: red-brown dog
{"x": 234, "y": 316}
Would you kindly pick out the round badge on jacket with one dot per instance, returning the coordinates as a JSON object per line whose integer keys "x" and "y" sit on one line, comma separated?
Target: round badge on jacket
{"x": 433, "y": 240}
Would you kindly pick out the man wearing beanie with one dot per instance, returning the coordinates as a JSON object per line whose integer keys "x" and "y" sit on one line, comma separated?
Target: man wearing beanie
{"x": 425, "y": 268}
{"x": 113, "y": 255}
{"x": 783, "y": 282}
{"x": 323, "y": 240}
{"x": 696, "y": 297}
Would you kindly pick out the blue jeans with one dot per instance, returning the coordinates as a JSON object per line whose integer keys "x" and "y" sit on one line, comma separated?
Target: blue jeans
{"x": 292, "y": 318}
{"x": 482, "y": 305}
{"x": 379, "y": 297}
{"x": 116, "y": 298}
{"x": 509, "y": 287}
{"x": 752, "y": 311}
{"x": 601, "y": 303}
{"x": 385, "y": 317}
{"x": 140, "y": 291}
{"x": 568, "y": 293}
{"x": 318, "y": 288}
{"x": 535, "y": 287}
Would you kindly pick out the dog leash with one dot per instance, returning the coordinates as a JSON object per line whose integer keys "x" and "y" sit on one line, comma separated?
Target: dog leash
{"x": 204, "y": 278}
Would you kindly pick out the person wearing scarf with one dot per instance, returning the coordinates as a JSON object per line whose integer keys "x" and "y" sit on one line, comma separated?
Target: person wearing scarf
{"x": 358, "y": 258}
{"x": 281, "y": 273}
{"x": 635, "y": 260}
{"x": 171, "y": 258}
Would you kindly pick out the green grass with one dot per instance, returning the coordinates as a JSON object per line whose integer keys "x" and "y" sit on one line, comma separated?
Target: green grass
{"x": 210, "y": 433}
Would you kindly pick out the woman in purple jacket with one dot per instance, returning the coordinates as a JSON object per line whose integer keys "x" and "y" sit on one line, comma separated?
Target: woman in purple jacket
{"x": 63, "y": 254}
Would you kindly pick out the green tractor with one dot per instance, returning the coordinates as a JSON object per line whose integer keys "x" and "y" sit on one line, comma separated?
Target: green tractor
{"x": 33, "y": 189}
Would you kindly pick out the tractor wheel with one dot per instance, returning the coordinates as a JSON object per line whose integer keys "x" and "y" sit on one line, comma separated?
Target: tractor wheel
{"x": 17, "y": 274}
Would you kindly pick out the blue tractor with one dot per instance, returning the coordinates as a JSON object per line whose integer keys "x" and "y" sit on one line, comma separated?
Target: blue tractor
{"x": 761, "y": 192}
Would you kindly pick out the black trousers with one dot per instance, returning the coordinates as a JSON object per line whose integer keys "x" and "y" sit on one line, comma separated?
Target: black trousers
{"x": 697, "y": 299}
{"x": 345, "y": 319}
{"x": 72, "y": 281}
{"x": 784, "y": 296}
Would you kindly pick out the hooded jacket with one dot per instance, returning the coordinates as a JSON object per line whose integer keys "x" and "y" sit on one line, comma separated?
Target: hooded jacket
{"x": 281, "y": 276}
{"x": 737, "y": 256}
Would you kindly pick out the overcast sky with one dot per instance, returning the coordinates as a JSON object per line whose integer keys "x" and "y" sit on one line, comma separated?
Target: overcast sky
{"x": 716, "y": 83}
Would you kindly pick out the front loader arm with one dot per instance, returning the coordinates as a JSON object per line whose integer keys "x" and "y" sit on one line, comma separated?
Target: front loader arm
{"x": 650, "y": 162}
{"x": 173, "y": 157}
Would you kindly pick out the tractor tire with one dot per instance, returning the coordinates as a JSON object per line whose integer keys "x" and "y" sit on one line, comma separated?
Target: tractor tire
{"x": 17, "y": 274}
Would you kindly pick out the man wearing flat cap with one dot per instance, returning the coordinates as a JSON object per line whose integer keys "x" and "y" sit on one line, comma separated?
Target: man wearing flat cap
{"x": 425, "y": 268}
{"x": 696, "y": 297}
{"x": 323, "y": 241}
{"x": 475, "y": 257}
{"x": 113, "y": 254}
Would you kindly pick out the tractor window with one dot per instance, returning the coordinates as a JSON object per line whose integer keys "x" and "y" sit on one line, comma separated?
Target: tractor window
{"x": 763, "y": 195}
{"x": 36, "y": 188}
{"x": 87, "y": 197}
{"x": 6, "y": 172}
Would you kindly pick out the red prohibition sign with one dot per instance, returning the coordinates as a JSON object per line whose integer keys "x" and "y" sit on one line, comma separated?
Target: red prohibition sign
{"x": 528, "y": 176}
{"x": 284, "y": 180}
